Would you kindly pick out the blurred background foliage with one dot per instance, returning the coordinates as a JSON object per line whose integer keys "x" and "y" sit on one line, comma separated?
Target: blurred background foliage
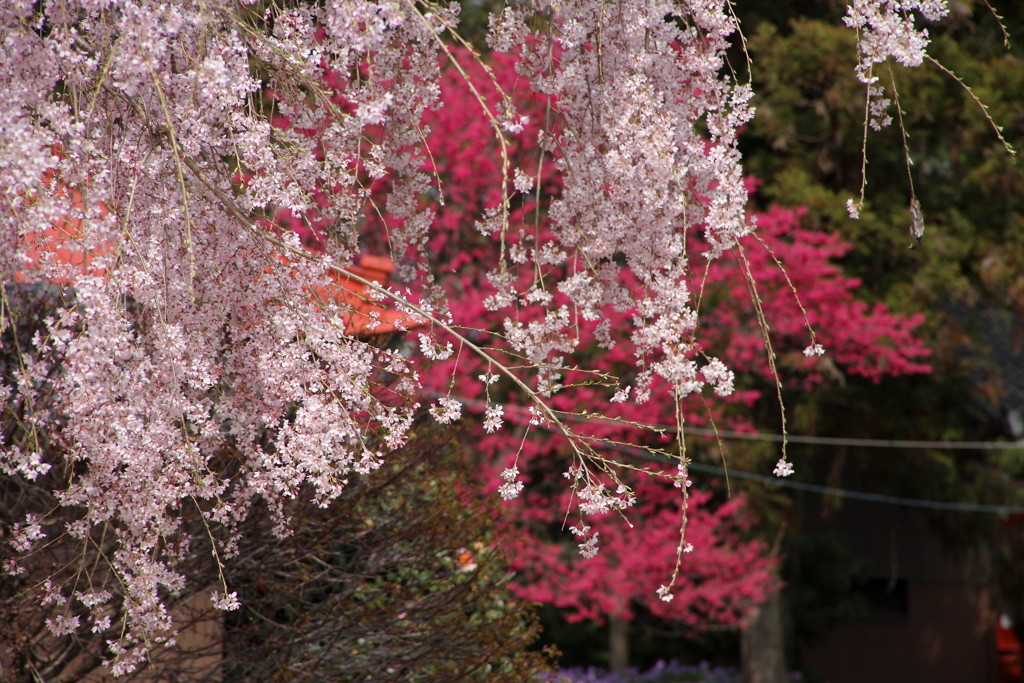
{"x": 966, "y": 277}
{"x": 401, "y": 579}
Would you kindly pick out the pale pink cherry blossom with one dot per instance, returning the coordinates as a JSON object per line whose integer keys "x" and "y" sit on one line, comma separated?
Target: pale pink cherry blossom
{"x": 589, "y": 547}
{"x": 447, "y": 410}
{"x": 226, "y": 602}
{"x": 783, "y": 468}
{"x": 814, "y": 350}
{"x": 512, "y": 486}
{"x": 492, "y": 418}
{"x": 886, "y": 29}
{"x": 194, "y": 327}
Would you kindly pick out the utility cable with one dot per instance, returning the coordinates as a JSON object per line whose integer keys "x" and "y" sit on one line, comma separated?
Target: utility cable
{"x": 779, "y": 438}
{"x": 1002, "y": 510}
{"x": 816, "y": 440}
{"x": 869, "y": 443}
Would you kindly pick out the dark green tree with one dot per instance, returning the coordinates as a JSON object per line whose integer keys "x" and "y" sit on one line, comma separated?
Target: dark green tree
{"x": 967, "y": 276}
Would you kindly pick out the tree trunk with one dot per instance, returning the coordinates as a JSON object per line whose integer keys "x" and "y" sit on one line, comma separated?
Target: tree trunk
{"x": 618, "y": 641}
{"x": 762, "y": 655}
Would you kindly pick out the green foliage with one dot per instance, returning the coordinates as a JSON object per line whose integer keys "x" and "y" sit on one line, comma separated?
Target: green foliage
{"x": 806, "y": 144}
{"x": 399, "y": 580}
{"x": 586, "y": 643}
{"x": 822, "y": 576}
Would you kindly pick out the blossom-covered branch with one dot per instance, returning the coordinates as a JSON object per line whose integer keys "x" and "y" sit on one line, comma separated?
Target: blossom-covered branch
{"x": 148, "y": 149}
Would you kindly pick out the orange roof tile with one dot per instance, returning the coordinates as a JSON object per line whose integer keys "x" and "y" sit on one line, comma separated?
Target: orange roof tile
{"x": 365, "y": 317}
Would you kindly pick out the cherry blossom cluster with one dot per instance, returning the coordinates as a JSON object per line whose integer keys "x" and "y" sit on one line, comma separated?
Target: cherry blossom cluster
{"x": 200, "y": 362}
{"x": 886, "y": 30}
{"x": 862, "y": 340}
{"x": 629, "y": 82}
{"x": 197, "y": 367}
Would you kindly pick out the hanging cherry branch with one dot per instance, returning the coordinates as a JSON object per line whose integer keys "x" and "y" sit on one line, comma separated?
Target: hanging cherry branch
{"x": 148, "y": 148}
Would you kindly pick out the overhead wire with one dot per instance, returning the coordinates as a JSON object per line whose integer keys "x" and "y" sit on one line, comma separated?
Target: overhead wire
{"x": 868, "y": 443}
{"x": 1002, "y": 510}
{"x": 779, "y": 438}
{"x": 828, "y": 490}
{"x": 815, "y": 440}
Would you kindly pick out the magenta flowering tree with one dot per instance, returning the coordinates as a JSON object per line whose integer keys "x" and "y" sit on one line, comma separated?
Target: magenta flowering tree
{"x": 173, "y": 134}
{"x": 632, "y": 556}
